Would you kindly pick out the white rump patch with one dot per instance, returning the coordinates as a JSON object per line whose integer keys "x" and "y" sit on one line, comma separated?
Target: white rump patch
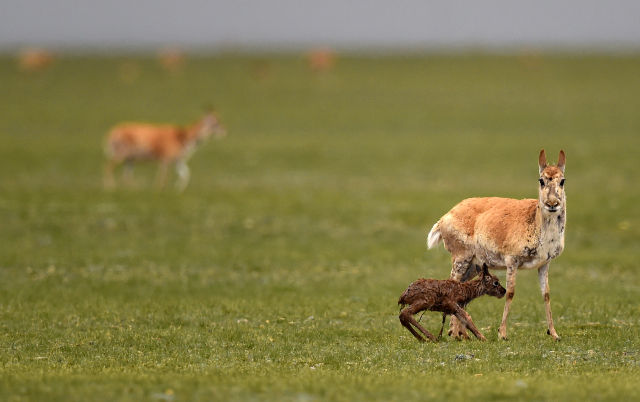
{"x": 434, "y": 236}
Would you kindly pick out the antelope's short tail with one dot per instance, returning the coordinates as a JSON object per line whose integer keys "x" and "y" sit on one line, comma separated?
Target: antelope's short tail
{"x": 434, "y": 236}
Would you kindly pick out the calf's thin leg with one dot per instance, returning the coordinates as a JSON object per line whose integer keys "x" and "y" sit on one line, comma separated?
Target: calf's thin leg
{"x": 543, "y": 277}
{"x": 465, "y": 319}
{"x": 444, "y": 316}
{"x": 407, "y": 319}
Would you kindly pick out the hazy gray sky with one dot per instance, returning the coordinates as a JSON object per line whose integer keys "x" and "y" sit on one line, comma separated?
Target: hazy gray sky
{"x": 347, "y": 23}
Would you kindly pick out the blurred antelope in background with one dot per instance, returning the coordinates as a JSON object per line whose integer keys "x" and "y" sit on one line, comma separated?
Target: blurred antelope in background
{"x": 172, "y": 59}
{"x": 321, "y": 60}
{"x": 509, "y": 234}
{"x": 35, "y": 59}
{"x": 128, "y": 143}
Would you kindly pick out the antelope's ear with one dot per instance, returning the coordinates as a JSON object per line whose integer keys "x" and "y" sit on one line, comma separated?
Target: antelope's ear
{"x": 485, "y": 269}
{"x": 561, "y": 160}
{"x": 542, "y": 161}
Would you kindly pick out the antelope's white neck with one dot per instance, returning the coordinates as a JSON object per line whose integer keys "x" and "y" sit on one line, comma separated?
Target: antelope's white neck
{"x": 551, "y": 241}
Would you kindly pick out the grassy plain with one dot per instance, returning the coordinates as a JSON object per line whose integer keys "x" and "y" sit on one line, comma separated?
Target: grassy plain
{"x": 275, "y": 275}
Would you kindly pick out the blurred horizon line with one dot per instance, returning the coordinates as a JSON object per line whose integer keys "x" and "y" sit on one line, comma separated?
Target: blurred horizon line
{"x": 365, "y": 50}
{"x": 358, "y": 26}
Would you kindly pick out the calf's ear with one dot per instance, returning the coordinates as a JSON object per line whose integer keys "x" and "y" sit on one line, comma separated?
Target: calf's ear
{"x": 485, "y": 270}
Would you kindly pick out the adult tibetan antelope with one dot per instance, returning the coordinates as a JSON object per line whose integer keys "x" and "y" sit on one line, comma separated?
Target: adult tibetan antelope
{"x": 507, "y": 234}
{"x": 167, "y": 144}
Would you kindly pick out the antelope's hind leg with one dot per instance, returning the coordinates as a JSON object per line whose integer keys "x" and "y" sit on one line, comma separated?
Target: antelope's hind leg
{"x": 109, "y": 180}
{"x": 161, "y": 174}
{"x": 127, "y": 172}
{"x": 459, "y": 272}
{"x": 407, "y": 319}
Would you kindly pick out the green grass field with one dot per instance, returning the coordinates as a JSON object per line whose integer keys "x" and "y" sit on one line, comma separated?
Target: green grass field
{"x": 275, "y": 275}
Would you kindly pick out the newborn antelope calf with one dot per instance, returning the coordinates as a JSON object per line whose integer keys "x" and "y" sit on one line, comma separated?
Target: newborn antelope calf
{"x": 448, "y": 296}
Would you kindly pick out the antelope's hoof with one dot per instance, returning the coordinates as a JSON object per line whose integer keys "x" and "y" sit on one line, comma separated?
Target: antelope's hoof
{"x": 554, "y": 335}
{"x": 459, "y": 335}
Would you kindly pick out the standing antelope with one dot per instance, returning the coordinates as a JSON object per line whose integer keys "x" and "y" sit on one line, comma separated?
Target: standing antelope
{"x": 507, "y": 234}
{"x": 167, "y": 144}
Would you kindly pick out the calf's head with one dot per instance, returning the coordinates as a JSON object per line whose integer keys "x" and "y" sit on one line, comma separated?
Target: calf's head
{"x": 491, "y": 283}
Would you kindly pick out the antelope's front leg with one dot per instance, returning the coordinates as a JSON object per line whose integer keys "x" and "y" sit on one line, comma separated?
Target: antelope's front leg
{"x": 543, "y": 277}
{"x": 511, "y": 290}
{"x": 183, "y": 175}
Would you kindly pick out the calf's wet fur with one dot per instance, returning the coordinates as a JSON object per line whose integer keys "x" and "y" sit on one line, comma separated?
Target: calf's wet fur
{"x": 447, "y": 296}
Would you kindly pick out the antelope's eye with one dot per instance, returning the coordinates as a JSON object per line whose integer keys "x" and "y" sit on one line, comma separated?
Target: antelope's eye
{"x": 496, "y": 283}
{"x": 562, "y": 183}
{"x": 541, "y": 182}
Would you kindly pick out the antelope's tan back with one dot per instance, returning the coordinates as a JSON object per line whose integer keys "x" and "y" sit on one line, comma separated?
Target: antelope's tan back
{"x": 501, "y": 224}
{"x": 143, "y": 141}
